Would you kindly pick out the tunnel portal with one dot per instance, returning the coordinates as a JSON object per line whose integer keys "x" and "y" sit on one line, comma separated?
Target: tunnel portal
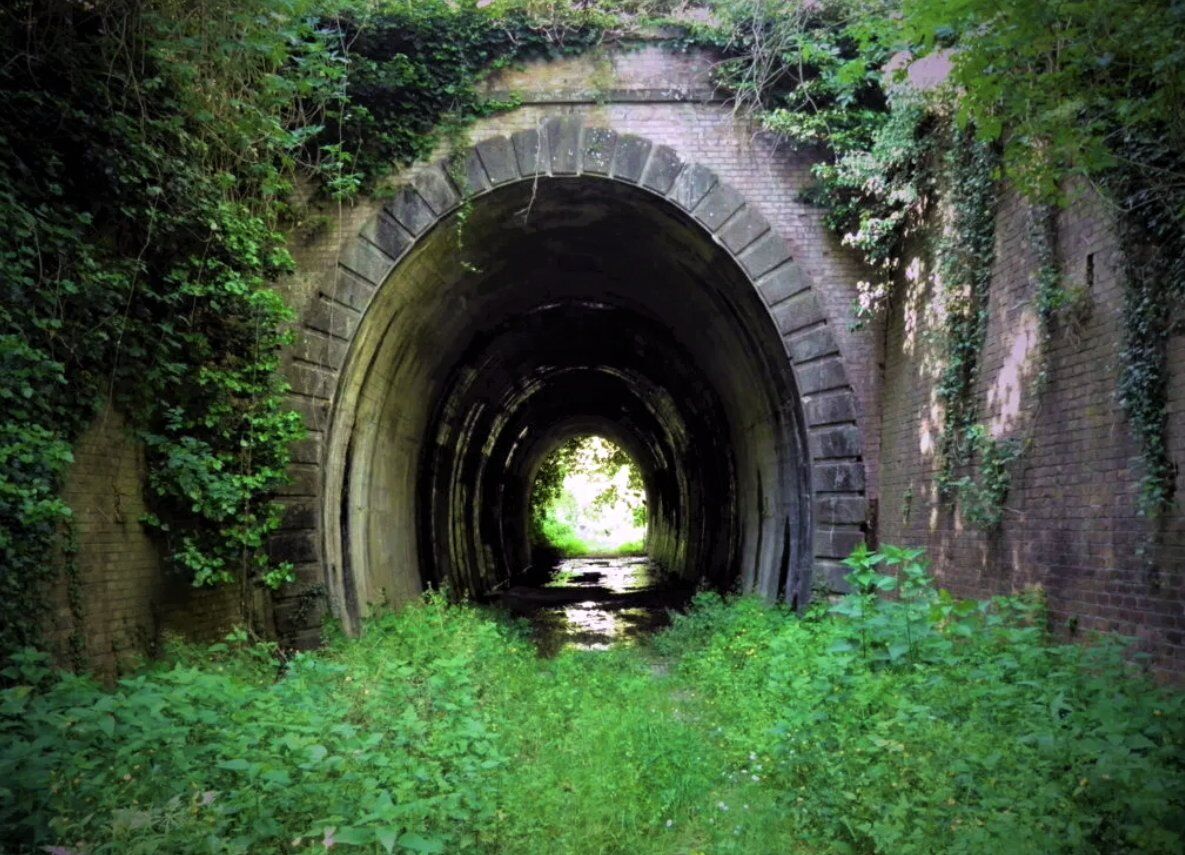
{"x": 551, "y": 307}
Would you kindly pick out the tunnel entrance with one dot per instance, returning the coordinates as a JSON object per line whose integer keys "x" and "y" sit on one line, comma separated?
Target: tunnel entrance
{"x": 552, "y": 309}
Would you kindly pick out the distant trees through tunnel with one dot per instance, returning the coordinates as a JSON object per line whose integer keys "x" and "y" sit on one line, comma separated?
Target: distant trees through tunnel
{"x": 587, "y": 499}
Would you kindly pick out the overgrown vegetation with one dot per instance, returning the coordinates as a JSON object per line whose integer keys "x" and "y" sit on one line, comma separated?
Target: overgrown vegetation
{"x": 911, "y": 724}
{"x": 588, "y": 498}
{"x": 1069, "y": 93}
{"x": 154, "y": 149}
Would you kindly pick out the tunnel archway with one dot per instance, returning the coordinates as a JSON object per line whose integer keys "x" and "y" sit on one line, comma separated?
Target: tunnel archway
{"x": 589, "y": 284}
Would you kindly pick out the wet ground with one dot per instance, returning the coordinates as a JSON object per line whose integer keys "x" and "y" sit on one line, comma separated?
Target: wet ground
{"x": 595, "y": 603}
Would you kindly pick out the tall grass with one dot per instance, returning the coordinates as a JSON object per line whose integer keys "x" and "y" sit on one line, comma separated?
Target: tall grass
{"x": 741, "y": 729}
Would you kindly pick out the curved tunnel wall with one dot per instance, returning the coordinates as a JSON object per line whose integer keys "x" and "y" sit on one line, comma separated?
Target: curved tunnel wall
{"x": 595, "y": 281}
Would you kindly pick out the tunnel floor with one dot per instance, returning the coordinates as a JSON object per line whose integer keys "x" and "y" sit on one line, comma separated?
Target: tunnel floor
{"x": 597, "y": 603}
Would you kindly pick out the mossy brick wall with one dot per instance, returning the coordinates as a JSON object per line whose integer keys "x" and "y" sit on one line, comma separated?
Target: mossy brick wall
{"x": 128, "y": 600}
{"x": 1071, "y": 524}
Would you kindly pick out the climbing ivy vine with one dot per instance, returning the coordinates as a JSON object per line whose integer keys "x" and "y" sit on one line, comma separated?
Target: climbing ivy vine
{"x": 966, "y": 253}
{"x": 152, "y": 151}
{"x": 1092, "y": 91}
{"x": 1063, "y": 90}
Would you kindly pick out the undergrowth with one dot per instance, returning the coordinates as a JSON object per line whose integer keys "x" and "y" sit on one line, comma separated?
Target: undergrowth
{"x": 915, "y": 723}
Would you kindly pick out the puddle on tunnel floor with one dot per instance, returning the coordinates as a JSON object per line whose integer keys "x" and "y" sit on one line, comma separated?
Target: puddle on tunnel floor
{"x": 596, "y": 603}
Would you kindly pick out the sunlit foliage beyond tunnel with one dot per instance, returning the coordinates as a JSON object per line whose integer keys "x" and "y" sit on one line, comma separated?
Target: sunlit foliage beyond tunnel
{"x": 589, "y": 499}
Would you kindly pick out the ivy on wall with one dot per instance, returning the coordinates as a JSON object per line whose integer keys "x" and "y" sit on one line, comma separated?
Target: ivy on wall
{"x": 1060, "y": 89}
{"x": 152, "y": 151}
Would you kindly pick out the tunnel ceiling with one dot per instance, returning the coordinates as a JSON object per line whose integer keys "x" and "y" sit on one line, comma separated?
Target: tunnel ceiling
{"x": 544, "y": 309}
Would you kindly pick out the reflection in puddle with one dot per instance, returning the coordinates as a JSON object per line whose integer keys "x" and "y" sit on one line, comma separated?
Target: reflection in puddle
{"x": 595, "y": 603}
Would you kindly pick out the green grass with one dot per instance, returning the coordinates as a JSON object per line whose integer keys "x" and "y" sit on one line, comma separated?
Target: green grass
{"x": 563, "y": 539}
{"x": 742, "y": 729}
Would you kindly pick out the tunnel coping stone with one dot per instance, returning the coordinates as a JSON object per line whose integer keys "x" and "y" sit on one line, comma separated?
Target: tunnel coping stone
{"x": 691, "y": 186}
{"x": 411, "y": 211}
{"x": 599, "y": 147}
{"x": 721, "y": 202}
{"x": 764, "y": 255}
{"x": 630, "y": 158}
{"x": 498, "y": 157}
{"x": 663, "y": 169}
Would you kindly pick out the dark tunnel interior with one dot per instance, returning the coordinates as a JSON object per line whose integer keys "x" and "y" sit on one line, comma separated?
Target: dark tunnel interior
{"x": 559, "y": 308}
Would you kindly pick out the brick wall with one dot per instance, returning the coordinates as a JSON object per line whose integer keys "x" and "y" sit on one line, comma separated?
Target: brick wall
{"x": 1071, "y": 524}
{"x": 128, "y": 600}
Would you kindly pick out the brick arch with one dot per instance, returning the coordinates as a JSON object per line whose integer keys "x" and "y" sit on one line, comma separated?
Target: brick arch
{"x": 566, "y": 147}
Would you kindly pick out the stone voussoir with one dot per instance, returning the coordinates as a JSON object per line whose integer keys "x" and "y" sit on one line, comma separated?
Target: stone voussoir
{"x": 367, "y": 261}
{"x": 721, "y": 202}
{"x": 500, "y": 158}
{"x": 764, "y": 255}
{"x": 530, "y": 153}
{"x": 662, "y": 170}
{"x": 838, "y": 509}
{"x": 745, "y": 227}
{"x": 691, "y": 185}
{"x": 839, "y": 476}
{"x": 563, "y": 140}
{"x": 630, "y": 158}
{"x": 830, "y": 409}
{"x": 834, "y": 441}
{"x": 600, "y": 144}
{"x": 435, "y": 188}
{"x": 411, "y": 211}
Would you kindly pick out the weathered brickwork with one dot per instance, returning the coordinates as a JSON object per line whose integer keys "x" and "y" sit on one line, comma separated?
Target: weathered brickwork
{"x": 128, "y": 601}
{"x": 1071, "y": 525}
{"x": 650, "y": 118}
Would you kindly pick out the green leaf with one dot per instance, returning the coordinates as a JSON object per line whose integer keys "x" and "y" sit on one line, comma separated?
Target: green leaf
{"x": 417, "y": 843}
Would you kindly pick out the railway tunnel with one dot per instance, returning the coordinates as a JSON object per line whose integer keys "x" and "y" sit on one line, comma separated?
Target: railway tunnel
{"x": 484, "y": 333}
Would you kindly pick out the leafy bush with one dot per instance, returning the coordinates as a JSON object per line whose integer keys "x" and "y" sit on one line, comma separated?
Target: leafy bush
{"x": 911, "y": 723}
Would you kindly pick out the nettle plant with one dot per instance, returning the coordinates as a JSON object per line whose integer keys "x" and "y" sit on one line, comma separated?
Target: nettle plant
{"x": 896, "y": 616}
